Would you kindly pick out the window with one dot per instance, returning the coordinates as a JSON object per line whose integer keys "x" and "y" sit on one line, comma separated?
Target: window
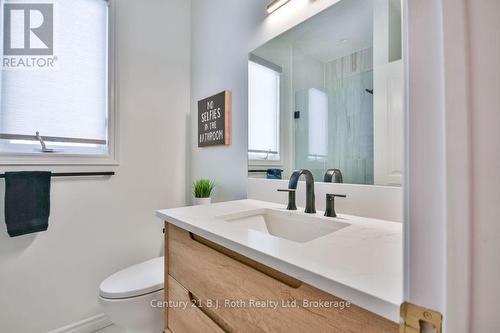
{"x": 55, "y": 78}
{"x": 317, "y": 124}
{"x": 263, "y": 112}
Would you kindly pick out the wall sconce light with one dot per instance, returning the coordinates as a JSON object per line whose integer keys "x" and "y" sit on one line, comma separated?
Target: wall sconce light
{"x": 275, "y": 5}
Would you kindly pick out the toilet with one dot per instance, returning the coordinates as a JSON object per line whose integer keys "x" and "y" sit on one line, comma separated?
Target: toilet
{"x": 132, "y": 297}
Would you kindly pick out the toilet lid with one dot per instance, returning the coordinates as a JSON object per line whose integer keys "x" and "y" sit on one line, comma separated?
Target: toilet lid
{"x": 137, "y": 280}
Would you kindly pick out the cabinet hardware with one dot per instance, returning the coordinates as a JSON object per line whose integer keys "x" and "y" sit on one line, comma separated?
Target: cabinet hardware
{"x": 414, "y": 316}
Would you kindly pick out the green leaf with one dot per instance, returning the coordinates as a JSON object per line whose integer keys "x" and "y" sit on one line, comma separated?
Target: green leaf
{"x": 202, "y": 188}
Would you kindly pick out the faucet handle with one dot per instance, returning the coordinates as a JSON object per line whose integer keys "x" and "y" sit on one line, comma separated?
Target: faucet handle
{"x": 332, "y": 195}
{"x": 330, "y": 204}
{"x": 291, "y": 198}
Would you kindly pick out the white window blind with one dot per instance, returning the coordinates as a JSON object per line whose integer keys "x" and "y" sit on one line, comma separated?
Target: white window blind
{"x": 263, "y": 112}
{"x": 318, "y": 123}
{"x": 68, "y": 103}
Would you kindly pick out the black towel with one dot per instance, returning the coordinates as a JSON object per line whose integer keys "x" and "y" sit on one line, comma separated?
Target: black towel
{"x": 274, "y": 173}
{"x": 27, "y": 202}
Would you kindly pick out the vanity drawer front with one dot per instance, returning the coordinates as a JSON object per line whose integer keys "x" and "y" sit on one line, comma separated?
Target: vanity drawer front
{"x": 190, "y": 319}
{"x": 211, "y": 272}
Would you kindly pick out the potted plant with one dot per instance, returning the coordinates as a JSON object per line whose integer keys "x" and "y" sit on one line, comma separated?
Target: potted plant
{"x": 202, "y": 189}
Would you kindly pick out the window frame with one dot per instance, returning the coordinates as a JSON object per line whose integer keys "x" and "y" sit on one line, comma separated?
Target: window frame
{"x": 73, "y": 158}
{"x": 261, "y": 162}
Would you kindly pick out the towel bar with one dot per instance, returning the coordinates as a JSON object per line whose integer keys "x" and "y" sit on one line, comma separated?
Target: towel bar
{"x": 77, "y": 174}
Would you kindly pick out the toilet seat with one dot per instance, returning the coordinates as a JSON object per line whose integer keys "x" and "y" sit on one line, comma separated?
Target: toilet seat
{"x": 137, "y": 280}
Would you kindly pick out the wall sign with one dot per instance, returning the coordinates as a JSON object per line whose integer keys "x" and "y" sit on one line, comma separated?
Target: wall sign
{"x": 214, "y": 120}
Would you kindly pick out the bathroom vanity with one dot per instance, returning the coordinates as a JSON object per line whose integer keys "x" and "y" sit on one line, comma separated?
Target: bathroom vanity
{"x": 253, "y": 266}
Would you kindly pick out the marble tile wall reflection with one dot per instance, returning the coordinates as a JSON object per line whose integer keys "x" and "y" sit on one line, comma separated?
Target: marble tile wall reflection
{"x": 350, "y": 120}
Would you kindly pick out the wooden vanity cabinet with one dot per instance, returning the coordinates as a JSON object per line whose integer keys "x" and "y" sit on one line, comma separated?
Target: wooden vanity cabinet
{"x": 228, "y": 292}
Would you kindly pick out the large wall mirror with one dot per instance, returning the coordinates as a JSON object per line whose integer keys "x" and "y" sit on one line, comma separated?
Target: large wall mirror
{"x": 327, "y": 95}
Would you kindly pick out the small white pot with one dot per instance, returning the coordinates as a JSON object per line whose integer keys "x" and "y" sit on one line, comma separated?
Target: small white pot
{"x": 202, "y": 201}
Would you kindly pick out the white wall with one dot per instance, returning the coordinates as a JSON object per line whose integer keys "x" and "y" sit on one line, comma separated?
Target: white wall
{"x": 425, "y": 175}
{"x": 454, "y": 183}
{"x": 484, "y": 32}
{"x": 223, "y": 33}
{"x": 101, "y": 225}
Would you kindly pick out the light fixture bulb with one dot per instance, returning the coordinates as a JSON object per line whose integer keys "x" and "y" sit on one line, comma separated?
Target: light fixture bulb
{"x": 276, "y": 4}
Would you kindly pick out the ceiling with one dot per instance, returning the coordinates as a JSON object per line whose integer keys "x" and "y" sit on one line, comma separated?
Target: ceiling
{"x": 340, "y": 30}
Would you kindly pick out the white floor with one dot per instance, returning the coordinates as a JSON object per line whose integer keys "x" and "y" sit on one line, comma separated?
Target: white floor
{"x": 111, "y": 329}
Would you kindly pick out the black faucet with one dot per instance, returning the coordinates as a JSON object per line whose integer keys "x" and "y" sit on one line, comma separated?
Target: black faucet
{"x": 292, "y": 185}
{"x": 333, "y": 176}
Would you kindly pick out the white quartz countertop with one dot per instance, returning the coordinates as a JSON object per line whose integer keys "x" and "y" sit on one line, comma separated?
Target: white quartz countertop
{"x": 361, "y": 263}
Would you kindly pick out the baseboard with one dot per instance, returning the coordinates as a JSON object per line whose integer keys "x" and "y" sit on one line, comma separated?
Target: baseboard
{"x": 88, "y": 325}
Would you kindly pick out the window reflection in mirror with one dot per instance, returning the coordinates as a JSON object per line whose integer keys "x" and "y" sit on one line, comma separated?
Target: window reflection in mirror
{"x": 264, "y": 111}
{"x": 328, "y": 94}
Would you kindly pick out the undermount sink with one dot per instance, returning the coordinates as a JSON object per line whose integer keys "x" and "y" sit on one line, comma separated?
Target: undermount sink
{"x": 293, "y": 226}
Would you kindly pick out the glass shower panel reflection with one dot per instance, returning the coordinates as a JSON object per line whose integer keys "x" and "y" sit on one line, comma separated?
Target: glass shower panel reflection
{"x": 348, "y": 123}
{"x": 311, "y": 131}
